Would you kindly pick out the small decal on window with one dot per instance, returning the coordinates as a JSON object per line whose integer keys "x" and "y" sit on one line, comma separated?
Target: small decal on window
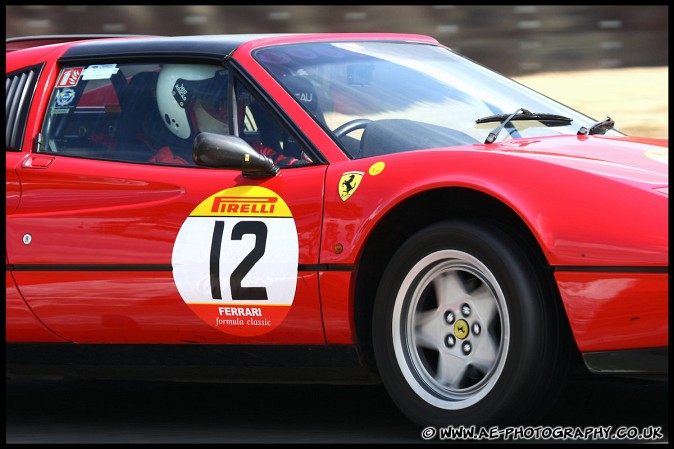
{"x": 65, "y": 97}
{"x": 69, "y": 77}
{"x": 99, "y": 72}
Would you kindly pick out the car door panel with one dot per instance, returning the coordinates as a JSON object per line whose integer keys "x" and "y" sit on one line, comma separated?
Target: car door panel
{"x": 120, "y": 285}
{"x": 145, "y": 307}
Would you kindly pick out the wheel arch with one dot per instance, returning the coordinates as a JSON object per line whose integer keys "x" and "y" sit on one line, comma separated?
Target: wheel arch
{"x": 420, "y": 211}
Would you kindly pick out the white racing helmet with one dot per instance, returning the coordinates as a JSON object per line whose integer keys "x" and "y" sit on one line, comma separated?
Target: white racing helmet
{"x": 179, "y": 84}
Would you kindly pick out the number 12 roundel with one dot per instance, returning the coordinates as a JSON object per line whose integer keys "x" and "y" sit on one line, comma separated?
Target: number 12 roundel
{"x": 235, "y": 260}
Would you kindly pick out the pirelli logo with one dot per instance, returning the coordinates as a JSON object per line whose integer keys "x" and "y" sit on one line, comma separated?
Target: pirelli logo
{"x": 234, "y": 205}
{"x": 243, "y": 201}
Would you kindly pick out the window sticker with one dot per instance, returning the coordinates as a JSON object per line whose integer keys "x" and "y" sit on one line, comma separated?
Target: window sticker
{"x": 99, "y": 72}
{"x": 235, "y": 260}
{"x": 65, "y": 97}
{"x": 69, "y": 77}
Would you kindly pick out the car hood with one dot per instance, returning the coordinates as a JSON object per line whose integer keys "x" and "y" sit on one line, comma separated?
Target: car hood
{"x": 641, "y": 159}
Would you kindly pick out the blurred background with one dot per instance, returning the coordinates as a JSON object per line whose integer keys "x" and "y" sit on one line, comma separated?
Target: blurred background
{"x": 521, "y": 42}
{"x": 511, "y": 39}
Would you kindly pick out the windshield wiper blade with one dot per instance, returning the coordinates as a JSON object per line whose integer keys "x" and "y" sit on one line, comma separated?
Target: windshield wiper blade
{"x": 522, "y": 114}
{"x": 598, "y": 128}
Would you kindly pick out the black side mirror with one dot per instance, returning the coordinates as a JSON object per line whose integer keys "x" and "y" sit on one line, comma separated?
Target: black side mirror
{"x": 231, "y": 152}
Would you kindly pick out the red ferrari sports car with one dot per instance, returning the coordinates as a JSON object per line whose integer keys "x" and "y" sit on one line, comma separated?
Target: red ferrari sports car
{"x": 324, "y": 208}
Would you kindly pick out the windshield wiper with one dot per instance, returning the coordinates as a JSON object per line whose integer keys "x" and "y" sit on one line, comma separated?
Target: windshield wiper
{"x": 598, "y": 128}
{"x": 521, "y": 114}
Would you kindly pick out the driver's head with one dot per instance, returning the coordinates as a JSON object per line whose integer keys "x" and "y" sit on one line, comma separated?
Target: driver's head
{"x": 192, "y": 98}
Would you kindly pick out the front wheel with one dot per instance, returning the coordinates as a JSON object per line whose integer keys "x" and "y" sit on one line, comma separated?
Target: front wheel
{"x": 465, "y": 330}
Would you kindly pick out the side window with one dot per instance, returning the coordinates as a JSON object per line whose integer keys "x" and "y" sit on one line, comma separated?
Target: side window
{"x": 258, "y": 126}
{"x": 83, "y": 113}
{"x": 19, "y": 91}
{"x": 143, "y": 113}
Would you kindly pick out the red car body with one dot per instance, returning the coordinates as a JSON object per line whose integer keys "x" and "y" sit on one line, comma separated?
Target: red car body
{"x": 91, "y": 245}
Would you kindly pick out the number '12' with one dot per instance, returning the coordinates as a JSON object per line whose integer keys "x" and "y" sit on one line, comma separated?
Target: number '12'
{"x": 259, "y": 230}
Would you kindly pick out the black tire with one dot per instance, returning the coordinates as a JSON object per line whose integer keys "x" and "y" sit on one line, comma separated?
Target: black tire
{"x": 466, "y": 331}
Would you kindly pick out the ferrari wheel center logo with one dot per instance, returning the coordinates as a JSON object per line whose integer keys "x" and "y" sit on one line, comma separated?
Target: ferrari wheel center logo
{"x": 461, "y": 329}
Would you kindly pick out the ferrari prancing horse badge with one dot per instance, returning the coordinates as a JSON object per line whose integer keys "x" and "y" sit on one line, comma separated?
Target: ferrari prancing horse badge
{"x": 348, "y": 184}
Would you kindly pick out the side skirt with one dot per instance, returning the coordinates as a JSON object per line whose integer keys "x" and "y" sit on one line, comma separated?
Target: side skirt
{"x": 337, "y": 364}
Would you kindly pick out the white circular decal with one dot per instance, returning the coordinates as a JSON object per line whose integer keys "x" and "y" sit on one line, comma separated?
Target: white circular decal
{"x": 235, "y": 260}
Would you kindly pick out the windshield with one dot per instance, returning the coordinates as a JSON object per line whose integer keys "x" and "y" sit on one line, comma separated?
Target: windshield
{"x": 381, "y": 97}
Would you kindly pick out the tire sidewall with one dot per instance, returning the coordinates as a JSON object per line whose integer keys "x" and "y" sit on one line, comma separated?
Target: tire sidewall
{"x": 512, "y": 394}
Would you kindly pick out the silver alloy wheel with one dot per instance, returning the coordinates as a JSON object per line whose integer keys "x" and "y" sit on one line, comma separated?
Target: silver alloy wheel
{"x": 451, "y": 330}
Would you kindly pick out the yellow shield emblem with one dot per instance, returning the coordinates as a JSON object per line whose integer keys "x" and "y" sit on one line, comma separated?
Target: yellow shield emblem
{"x": 348, "y": 184}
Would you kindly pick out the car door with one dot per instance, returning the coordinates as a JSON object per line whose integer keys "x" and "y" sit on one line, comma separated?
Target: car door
{"x": 106, "y": 249}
